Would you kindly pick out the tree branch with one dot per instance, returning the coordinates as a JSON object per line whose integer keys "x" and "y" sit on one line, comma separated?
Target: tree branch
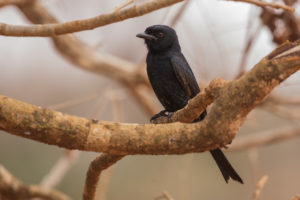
{"x": 268, "y": 4}
{"x": 86, "y": 24}
{"x": 50, "y": 30}
{"x": 59, "y": 169}
{"x": 99, "y": 164}
{"x": 265, "y": 138}
{"x": 87, "y": 58}
{"x": 12, "y": 188}
{"x": 232, "y": 103}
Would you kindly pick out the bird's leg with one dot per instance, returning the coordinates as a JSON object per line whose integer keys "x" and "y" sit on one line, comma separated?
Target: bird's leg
{"x": 160, "y": 114}
{"x": 169, "y": 115}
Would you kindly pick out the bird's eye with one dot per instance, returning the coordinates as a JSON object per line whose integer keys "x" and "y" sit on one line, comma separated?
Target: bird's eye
{"x": 160, "y": 34}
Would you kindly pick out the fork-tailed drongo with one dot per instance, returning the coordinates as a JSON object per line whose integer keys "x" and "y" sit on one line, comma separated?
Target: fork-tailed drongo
{"x": 174, "y": 82}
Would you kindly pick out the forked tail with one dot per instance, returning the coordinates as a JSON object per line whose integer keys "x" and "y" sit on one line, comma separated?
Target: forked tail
{"x": 225, "y": 167}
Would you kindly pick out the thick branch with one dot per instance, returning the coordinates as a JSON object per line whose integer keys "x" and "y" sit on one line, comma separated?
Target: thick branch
{"x": 99, "y": 164}
{"x": 232, "y": 104}
{"x": 12, "y": 188}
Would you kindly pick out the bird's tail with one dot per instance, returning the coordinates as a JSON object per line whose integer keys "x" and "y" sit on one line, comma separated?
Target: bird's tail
{"x": 224, "y": 166}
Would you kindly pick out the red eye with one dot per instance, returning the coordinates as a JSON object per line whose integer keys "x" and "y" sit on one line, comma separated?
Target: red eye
{"x": 160, "y": 34}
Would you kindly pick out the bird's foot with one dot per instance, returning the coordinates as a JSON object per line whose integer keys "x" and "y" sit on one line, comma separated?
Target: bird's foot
{"x": 165, "y": 117}
{"x": 169, "y": 115}
{"x": 160, "y": 114}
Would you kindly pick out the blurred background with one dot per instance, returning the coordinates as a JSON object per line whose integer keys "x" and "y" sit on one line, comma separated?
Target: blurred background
{"x": 213, "y": 36}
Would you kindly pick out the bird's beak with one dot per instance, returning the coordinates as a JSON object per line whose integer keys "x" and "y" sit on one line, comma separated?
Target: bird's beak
{"x": 146, "y": 36}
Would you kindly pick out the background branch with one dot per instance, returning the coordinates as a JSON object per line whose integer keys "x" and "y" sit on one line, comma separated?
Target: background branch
{"x": 87, "y": 58}
{"x": 87, "y": 24}
{"x": 265, "y": 138}
{"x": 118, "y": 15}
{"x": 12, "y": 188}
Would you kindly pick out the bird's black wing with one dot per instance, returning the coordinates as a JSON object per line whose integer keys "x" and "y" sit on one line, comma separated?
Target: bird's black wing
{"x": 184, "y": 75}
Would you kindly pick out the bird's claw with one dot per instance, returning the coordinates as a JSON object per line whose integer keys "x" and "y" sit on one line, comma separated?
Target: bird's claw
{"x": 160, "y": 114}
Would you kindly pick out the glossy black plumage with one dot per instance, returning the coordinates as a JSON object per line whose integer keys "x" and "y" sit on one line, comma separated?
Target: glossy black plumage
{"x": 174, "y": 82}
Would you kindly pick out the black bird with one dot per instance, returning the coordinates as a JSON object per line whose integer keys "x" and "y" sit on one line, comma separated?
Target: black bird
{"x": 174, "y": 82}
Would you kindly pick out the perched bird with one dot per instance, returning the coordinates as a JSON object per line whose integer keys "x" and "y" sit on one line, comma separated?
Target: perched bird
{"x": 174, "y": 82}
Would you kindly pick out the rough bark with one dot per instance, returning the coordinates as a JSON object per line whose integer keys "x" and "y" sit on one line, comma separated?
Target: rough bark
{"x": 232, "y": 103}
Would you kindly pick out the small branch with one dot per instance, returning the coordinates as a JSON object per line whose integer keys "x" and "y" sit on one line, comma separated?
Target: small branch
{"x": 250, "y": 41}
{"x": 267, "y": 4}
{"x": 259, "y": 186}
{"x": 99, "y": 164}
{"x": 123, "y": 5}
{"x": 279, "y": 99}
{"x": 179, "y": 13}
{"x": 190, "y": 112}
{"x": 12, "y": 188}
{"x": 265, "y": 138}
{"x": 58, "y": 171}
{"x": 73, "y": 102}
{"x": 164, "y": 195}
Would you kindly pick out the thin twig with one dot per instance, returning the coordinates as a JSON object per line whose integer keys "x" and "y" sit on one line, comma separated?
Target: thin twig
{"x": 60, "y": 168}
{"x": 123, "y": 5}
{"x": 259, "y": 186}
{"x": 265, "y": 138}
{"x": 251, "y": 38}
{"x": 292, "y": 114}
{"x": 267, "y": 4}
{"x": 164, "y": 195}
{"x": 73, "y": 102}
{"x": 179, "y": 13}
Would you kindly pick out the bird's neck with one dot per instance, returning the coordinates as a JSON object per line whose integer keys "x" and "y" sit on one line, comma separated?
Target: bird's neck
{"x": 174, "y": 47}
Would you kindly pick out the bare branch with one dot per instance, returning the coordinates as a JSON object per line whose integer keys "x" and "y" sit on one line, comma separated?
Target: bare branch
{"x": 267, "y": 4}
{"x": 61, "y": 167}
{"x": 164, "y": 195}
{"x": 85, "y": 57}
{"x": 99, "y": 164}
{"x": 73, "y": 102}
{"x": 265, "y": 138}
{"x": 123, "y": 5}
{"x": 259, "y": 186}
{"x": 12, "y": 188}
{"x": 191, "y": 111}
{"x": 232, "y": 103}
{"x": 49, "y": 30}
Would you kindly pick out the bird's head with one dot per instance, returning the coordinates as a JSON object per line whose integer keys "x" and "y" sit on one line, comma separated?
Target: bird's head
{"x": 159, "y": 38}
